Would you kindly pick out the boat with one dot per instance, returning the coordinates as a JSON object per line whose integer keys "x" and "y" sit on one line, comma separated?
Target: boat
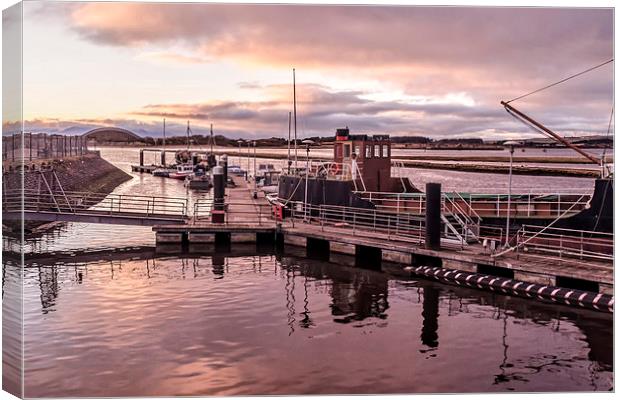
{"x": 199, "y": 182}
{"x": 182, "y": 171}
{"x": 163, "y": 172}
{"x": 236, "y": 170}
{"x": 360, "y": 176}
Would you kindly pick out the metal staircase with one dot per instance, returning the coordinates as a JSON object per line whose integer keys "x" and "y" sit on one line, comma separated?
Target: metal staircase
{"x": 460, "y": 224}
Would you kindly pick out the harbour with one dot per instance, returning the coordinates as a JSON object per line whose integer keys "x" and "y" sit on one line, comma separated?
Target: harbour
{"x": 223, "y": 200}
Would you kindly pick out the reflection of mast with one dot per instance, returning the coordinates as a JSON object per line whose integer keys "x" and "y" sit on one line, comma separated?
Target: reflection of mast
{"x": 503, "y": 377}
{"x": 430, "y": 312}
{"x": 306, "y": 321}
{"x": 290, "y": 299}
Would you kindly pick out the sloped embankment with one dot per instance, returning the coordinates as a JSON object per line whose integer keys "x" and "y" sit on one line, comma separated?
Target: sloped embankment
{"x": 89, "y": 173}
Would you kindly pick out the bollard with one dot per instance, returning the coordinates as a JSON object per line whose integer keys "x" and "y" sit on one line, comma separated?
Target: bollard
{"x": 218, "y": 188}
{"x": 433, "y": 215}
{"x": 163, "y": 158}
{"x": 141, "y": 157}
{"x": 224, "y": 164}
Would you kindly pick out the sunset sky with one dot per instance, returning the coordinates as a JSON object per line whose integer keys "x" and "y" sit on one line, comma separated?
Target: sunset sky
{"x": 436, "y": 72}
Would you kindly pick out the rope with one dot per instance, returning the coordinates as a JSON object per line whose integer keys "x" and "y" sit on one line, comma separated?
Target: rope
{"x": 539, "y": 232}
{"x": 561, "y": 81}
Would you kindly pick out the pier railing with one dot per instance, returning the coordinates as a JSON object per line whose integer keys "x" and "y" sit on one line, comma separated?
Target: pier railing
{"x": 89, "y": 202}
{"x": 585, "y": 245}
{"x": 481, "y": 205}
{"x": 360, "y": 220}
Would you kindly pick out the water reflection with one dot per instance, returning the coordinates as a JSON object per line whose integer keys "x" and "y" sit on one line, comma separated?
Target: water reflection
{"x": 253, "y": 314}
{"x": 430, "y": 315}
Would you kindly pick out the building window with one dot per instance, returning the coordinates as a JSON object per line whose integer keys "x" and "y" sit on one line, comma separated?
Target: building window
{"x": 377, "y": 150}
{"x": 386, "y": 150}
{"x": 356, "y": 150}
{"x": 347, "y": 150}
{"x": 368, "y": 151}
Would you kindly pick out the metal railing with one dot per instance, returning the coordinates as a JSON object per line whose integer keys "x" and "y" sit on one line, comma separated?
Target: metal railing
{"x": 566, "y": 242}
{"x": 481, "y": 205}
{"x": 404, "y": 226}
{"x": 85, "y": 202}
{"x": 22, "y": 147}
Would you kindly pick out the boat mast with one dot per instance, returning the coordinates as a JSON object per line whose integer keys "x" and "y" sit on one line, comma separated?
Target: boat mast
{"x": 188, "y": 134}
{"x": 288, "y": 158}
{"x": 295, "y": 118}
{"x": 164, "y": 135}
{"x": 211, "y": 129}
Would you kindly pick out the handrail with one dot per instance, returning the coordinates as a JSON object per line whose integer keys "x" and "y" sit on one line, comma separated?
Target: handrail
{"x": 579, "y": 243}
{"x": 83, "y": 202}
{"x": 468, "y": 205}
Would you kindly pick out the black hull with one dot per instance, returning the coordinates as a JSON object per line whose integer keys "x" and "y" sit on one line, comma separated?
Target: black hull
{"x": 320, "y": 192}
{"x": 599, "y": 217}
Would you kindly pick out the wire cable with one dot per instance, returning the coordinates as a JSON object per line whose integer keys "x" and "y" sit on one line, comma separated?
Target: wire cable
{"x": 561, "y": 81}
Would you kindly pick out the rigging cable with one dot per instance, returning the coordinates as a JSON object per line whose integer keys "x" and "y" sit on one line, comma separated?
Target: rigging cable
{"x": 561, "y": 81}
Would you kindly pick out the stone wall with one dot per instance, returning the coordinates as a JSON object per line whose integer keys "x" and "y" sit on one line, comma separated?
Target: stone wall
{"x": 89, "y": 173}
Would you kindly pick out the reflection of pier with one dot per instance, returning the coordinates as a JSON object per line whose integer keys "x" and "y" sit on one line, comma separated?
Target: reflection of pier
{"x": 355, "y": 295}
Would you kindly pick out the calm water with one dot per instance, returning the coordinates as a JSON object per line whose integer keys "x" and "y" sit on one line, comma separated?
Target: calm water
{"x": 242, "y": 323}
{"x": 287, "y": 325}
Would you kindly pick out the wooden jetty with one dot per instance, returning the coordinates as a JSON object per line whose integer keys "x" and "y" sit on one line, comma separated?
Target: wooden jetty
{"x": 251, "y": 220}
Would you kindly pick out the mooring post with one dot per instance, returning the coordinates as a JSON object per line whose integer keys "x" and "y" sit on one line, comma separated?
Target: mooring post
{"x": 141, "y": 157}
{"x": 224, "y": 164}
{"x": 163, "y": 158}
{"x": 433, "y": 215}
{"x": 218, "y": 188}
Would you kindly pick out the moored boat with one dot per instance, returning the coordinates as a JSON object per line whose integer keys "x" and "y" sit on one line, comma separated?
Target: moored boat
{"x": 182, "y": 171}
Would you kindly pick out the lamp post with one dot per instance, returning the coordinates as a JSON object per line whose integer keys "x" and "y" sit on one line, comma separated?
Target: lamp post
{"x": 308, "y": 143}
{"x": 255, "y": 176}
{"x": 511, "y": 148}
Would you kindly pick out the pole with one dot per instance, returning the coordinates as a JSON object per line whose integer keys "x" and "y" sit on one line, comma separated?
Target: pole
{"x": 255, "y": 177}
{"x": 239, "y": 152}
{"x": 433, "y": 215}
{"x": 549, "y": 132}
{"x": 30, "y": 135}
{"x": 219, "y": 186}
{"x": 211, "y": 138}
{"x": 306, "y": 189}
{"x": 163, "y": 153}
{"x": 247, "y": 174}
{"x": 288, "y": 158}
{"x": 187, "y": 134}
{"x": 295, "y": 117}
{"x": 512, "y": 150}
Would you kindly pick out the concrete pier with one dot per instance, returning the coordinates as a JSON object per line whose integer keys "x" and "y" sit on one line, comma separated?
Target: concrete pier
{"x": 376, "y": 249}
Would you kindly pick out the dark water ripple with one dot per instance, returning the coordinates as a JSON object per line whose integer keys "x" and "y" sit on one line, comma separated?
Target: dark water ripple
{"x": 283, "y": 325}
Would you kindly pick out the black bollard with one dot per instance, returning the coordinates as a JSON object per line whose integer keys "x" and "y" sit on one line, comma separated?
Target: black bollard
{"x": 224, "y": 164}
{"x": 163, "y": 158}
{"x": 433, "y": 215}
{"x": 218, "y": 188}
{"x": 141, "y": 157}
